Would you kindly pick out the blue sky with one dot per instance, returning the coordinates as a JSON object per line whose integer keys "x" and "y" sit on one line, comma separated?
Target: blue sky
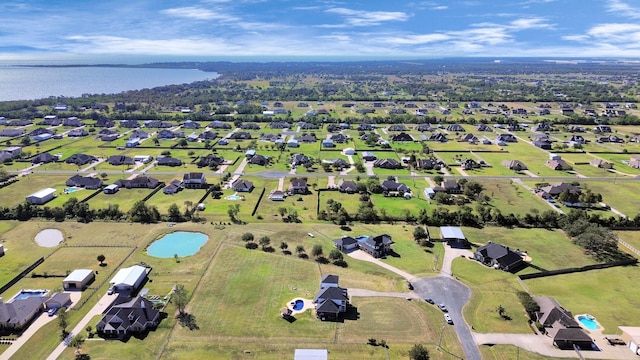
{"x": 218, "y": 29}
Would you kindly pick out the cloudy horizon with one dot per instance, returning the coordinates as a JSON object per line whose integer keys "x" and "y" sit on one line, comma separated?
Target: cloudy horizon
{"x": 40, "y": 30}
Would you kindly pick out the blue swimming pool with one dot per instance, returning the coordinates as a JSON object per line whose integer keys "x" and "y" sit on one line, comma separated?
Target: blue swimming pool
{"x": 24, "y": 294}
{"x": 588, "y": 322}
{"x": 298, "y": 305}
{"x": 182, "y": 243}
{"x": 73, "y": 189}
{"x": 362, "y": 238}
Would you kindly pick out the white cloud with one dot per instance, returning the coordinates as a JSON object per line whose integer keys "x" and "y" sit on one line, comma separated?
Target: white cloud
{"x": 366, "y": 18}
{"x": 440, "y": 7}
{"x": 617, "y": 6}
{"x": 197, "y": 13}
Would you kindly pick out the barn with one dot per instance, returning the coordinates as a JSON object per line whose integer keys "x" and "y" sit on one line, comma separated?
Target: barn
{"x": 42, "y": 196}
{"x": 78, "y": 279}
{"x": 453, "y": 236}
{"x": 129, "y": 280}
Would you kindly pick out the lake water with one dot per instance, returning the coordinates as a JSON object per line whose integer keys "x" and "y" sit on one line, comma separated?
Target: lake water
{"x": 28, "y": 83}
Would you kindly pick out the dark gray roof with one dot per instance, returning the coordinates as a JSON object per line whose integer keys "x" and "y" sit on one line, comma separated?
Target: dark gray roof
{"x": 131, "y": 316}
{"x": 18, "y": 311}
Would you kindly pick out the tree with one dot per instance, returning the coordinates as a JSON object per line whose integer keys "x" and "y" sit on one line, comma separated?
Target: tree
{"x": 418, "y": 352}
{"x": 264, "y": 242}
{"x": 77, "y": 342}
{"x": 63, "y": 321}
{"x": 419, "y": 233}
{"x": 174, "y": 213}
{"x": 316, "y": 251}
{"x": 101, "y": 258}
{"x": 300, "y": 249}
{"x": 247, "y": 237}
{"x": 336, "y": 255}
{"x": 284, "y": 246}
{"x": 180, "y": 297}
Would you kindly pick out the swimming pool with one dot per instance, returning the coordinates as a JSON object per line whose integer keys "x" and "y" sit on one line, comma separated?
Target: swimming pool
{"x": 24, "y": 294}
{"x": 298, "y": 305}
{"x": 588, "y": 322}
{"x": 235, "y": 197}
{"x": 72, "y": 189}
{"x": 362, "y": 238}
{"x": 181, "y": 243}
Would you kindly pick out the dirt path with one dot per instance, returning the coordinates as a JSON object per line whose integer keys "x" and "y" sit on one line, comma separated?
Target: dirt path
{"x": 331, "y": 181}
{"x": 281, "y": 184}
{"x": 361, "y": 255}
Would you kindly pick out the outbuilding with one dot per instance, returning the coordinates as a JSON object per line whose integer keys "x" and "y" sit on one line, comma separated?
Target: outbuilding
{"x": 129, "y": 279}
{"x": 111, "y": 189}
{"x": 78, "y": 279}
{"x": 41, "y": 197}
{"x": 453, "y": 236}
{"x": 631, "y": 336}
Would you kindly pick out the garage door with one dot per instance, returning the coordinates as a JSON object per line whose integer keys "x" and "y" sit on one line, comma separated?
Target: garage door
{"x": 633, "y": 347}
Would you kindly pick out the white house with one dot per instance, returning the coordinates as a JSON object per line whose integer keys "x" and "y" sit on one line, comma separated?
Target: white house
{"x": 42, "y": 196}
{"x": 129, "y": 279}
{"x": 78, "y": 279}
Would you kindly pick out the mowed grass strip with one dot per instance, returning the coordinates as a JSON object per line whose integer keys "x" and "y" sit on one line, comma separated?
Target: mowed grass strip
{"x": 243, "y": 293}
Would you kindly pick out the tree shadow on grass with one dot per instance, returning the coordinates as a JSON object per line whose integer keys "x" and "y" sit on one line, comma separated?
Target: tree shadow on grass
{"x": 188, "y": 320}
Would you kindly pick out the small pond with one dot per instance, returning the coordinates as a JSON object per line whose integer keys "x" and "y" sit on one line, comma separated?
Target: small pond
{"x": 182, "y": 243}
{"x": 49, "y": 237}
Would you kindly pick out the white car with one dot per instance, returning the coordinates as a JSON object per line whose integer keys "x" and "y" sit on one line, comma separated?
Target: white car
{"x": 310, "y": 235}
{"x": 448, "y": 319}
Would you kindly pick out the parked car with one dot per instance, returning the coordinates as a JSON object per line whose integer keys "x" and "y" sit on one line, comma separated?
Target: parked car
{"x": 52, "y": 311}
{"x": 429, "y": 300}
{"x": 448, "y": 319}
{"x": 410, "y": 285}
{"x": 110, "y": 291}
{"x": 442, "y": 307}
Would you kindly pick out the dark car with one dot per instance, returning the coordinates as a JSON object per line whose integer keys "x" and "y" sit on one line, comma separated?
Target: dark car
{"x": 429, "y": 300}
{"x": 410, "y": 285}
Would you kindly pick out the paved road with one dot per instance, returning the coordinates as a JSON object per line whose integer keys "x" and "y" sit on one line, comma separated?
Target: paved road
{"x": 366, "y": 293}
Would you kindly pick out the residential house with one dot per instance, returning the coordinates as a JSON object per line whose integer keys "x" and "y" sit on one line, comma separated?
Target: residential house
{"x": 440, "y": 137}
{"x": 423, "y": 127}
{"x": 299, "y": 159}
{"x": 72, "y": 121}
{"x": 78, "y": 133}
{"x": 86, "y": 182}
{"x": 105, "y": 123}
{"x": 455, "y": 128}
{"x": 402, "y": 137}
{"x": 117, "y": 160}
{"x": 556, "y": 189}
{"x": 241, "y": 135}
{"x": 308, "y": 126}
{"x": 50, "y": 120}
{"x": 19, "y": 122}
{"x": 558, "y": 165}
{"x": 279, "y": 125}
{"x": 155, "y": 124}
{"x": 128, "y": 317}
{"x": 208, "y": 135}
{"x": 483, "y": 127}
{"x": 602, "y": 128}
{"x": 348, "y": 186}
{"x": 277, "y": 195}
{"x": 515, "y": 165}
{"x": 167, "y": 135}
{"x": 169, "y": 161}
{"x": 609, "y": 139}
{"x": 140, "y": 182}
{"x": 194, "y": 180}
{"x": 368, "y": 156}
{"x": 542, "y": 142}
{"x": 339, "y": 164}
{"x": 509, "y": 138}
{"x": 470, "y": 164}
{"x": 241, "y": 185}
{"x": 397, "y": 127}
{"x": 328, "y": 143}
{"x": 427, "y": 164}
{"x": 210, "y": 160}
{"x": 139, "y": 134}
{"x": 339, "y": 138}
{"x": 43, "y": 158}
{"x": 250, "y": 126}
{"x": 173, "y": 187}
{"x": 366, "y": 127}
{"x": 498, "y": 256}
{"x": 131, "y": 124}
{"x": 258, "y": 159}
{"x": 12, "y": 151}
{"x": 298, "y": 186}
{"x": 387, "y": 164}
{"x": 331, "y": 300}
{"x": 190, "y": 124}
{"x": 601, "y": 164}
{"x": 469, "y": 138}
{"x": 560, "y": 325}
{"x": 15, "y": 315}
{"x": 346, "y": 244}
{"x": 377, "y": 246}
{"x": 307, "y": 138}
{"x": 394, "y": 187}
{"x": 11, "y": 132}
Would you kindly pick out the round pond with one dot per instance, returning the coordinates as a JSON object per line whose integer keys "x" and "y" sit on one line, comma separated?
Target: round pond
{"x": 49, "y": 237}
{"x": 182, "y": 243}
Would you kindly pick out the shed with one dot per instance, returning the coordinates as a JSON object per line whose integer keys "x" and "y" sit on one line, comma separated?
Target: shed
{"x": 57, "y": 301}
{"x": 129, "y": 279}
{"x": 453, "y": 236}
{"x": 42, "y": 196}
{"x": 78, "y": 279}
{"x": 111, "y": 189}
{"x": 428, "y": 192}
{"x": 311, "y": 354}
